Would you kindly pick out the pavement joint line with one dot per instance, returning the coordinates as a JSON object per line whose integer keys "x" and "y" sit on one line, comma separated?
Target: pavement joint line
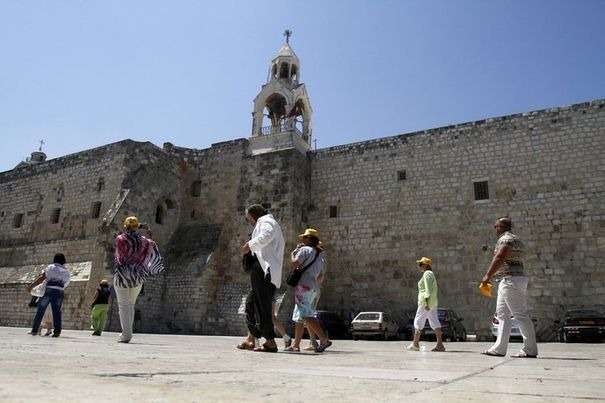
{"x": 520, "y": 394}
{"x": 463, "y": 377}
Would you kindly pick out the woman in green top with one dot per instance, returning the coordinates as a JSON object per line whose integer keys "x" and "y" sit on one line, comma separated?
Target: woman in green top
{"x": 427, "y": 306}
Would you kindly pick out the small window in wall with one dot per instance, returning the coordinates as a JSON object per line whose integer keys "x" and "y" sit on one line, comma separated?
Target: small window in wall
{"x": 333, "y": 211}
{"x": 481, "y": 190}
{"x": 55, "y": 215}
{"x": 18, "y": 220}
{"x": 95, "y": 210}
{"x": 401, "y": 175}
{"x": 170, "y": 204}
{"x": 100, "y": 184}
{"x": 159, "y": 215}
{"x": 196, "y": 189}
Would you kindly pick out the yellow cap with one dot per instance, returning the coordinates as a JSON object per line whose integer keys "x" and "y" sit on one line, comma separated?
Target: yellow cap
{"x": 310, "y": 232}
{"x": 425, "y": 260}
{"x": 131, "y": 222}
{"x": 486, "y": 289}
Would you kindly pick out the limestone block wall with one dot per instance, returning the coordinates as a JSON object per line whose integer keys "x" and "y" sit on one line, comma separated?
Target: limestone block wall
{"x": 398, "y": 198}
{"x": 72, "y": 183}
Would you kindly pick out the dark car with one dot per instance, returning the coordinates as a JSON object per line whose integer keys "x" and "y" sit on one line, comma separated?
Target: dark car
{"x": 333, "y": 325}
{"x": 451, "y": 325}
{"x": 581, "y": 325}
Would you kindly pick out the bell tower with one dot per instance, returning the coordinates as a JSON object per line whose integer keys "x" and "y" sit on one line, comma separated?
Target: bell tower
{"x": 282, "y": 111}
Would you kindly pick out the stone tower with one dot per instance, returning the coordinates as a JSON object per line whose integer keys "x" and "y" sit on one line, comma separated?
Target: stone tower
{"x": 282, "y": 111}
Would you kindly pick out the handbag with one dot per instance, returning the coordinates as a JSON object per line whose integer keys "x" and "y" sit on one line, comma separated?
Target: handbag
{"x": 296, "y": 274}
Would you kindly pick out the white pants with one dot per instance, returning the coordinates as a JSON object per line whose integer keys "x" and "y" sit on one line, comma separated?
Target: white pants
{"x": 422, "y": 315}
{"x": 127, "y": 297}
{"x": 512, "y": 300}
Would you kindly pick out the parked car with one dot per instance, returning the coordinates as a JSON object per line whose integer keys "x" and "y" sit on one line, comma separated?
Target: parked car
{"x": 374, "y": 324}
{"x": 451, "y": 325}
{"x": 515, "y": 332}
{"x": 333, "y": 324}
{"x": 581, "y": 325}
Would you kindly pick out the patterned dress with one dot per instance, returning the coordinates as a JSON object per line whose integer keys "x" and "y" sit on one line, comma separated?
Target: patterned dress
{"x": 136, "y": 258}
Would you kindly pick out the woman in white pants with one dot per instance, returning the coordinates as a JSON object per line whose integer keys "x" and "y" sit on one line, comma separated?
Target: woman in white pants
{"x": 136, "y": 258}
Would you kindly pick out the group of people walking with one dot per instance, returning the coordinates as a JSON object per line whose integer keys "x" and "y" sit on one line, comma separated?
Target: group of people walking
{"x": 137, "y": 257}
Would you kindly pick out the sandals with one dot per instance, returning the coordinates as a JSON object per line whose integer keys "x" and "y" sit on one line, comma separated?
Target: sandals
{"x": 245, "y": 345}
{"x": 438, "y": 350}
{"x": 492, "y": 353}
{"x": 266, "y": 349}
{"x": 292, "y": 349}
{"x": 322, "y": 347}
{"x": 524, "y": 355}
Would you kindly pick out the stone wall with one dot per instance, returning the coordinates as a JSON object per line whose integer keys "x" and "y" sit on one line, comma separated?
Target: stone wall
{"x": 72, "y": 184}
{"x": 407, "y": 196}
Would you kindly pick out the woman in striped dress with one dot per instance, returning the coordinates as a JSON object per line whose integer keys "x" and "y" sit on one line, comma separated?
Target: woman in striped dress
{"x": 136, "y": 258}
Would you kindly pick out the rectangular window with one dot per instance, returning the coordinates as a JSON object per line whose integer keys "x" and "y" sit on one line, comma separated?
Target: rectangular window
{"x": 333, "y": 211}
{"x": 95, "y": 210}
{"x": 55, "y": 215}
{"x": 18, "y": 220}
{"x": 100, "y": 184}
{"x": 481, "y": 190}
{"x": 401, "y": 175}
{"x": 196, "y": 189}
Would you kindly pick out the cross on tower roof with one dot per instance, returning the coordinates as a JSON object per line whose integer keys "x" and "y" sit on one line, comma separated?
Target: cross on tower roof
{"x": 288, "y": 34}
{"x": 41, "y": 144}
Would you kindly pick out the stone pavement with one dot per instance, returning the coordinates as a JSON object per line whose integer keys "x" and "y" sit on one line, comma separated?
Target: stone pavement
{"x": 174, "y": 368}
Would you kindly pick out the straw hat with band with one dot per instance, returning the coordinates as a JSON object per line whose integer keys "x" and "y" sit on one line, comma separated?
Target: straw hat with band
{"x": 425, "y": 261}
{"x": 131, "y": 223}
{"x": 310, "y": 232}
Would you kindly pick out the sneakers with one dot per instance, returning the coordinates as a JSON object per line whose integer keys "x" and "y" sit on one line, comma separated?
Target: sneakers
{"x": 412, "y": 347}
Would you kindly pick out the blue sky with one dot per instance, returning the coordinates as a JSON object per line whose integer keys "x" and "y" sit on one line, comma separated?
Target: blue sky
{"x": 80, "y": 74}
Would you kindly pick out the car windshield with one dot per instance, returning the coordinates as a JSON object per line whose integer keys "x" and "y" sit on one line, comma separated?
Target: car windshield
{"x": 368, "y": 316}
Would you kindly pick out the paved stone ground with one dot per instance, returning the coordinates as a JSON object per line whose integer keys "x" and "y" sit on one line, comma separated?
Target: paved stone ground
{"x": 171, "y": 368}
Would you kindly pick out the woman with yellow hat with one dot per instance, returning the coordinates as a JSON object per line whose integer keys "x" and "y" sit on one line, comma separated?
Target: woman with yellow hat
{"x": 308, "y": 256}
{"x": 136, "y": 258}
{"x": 427, "y": 306}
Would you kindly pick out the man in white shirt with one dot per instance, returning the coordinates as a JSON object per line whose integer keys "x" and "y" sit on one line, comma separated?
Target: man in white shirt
{"x": 266, "y": 247}
{"x": 56, "y": 277}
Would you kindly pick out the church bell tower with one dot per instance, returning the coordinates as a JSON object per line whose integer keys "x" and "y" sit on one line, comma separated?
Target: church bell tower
{"x": 282, "y": 111}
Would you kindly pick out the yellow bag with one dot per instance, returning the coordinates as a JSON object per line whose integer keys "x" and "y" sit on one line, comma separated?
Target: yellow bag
{"x": 486, "y": 289}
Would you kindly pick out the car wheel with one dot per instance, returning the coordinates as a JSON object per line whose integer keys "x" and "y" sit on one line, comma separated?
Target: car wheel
{"x": 355, "y": 338}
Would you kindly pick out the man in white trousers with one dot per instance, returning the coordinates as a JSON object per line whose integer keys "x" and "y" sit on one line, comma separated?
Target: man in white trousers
{"x": 507, "y": 264}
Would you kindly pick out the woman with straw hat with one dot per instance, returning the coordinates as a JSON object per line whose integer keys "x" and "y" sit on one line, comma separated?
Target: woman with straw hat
{"x": 136, "y": 258}
{"x": 308, "y": 255}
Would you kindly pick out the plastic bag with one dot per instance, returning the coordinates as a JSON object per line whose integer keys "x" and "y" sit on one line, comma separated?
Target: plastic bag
{"x": 38, "y": 291}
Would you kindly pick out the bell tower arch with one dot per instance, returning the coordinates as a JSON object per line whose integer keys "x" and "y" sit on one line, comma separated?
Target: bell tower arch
{"x": 282, "y": 110}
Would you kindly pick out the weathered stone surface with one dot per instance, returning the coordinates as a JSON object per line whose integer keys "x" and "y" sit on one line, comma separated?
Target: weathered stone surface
{"x": 171, "y": 368}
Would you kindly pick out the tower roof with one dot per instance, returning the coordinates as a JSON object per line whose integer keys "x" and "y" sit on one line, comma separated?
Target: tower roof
{"x": 285, "y": 51}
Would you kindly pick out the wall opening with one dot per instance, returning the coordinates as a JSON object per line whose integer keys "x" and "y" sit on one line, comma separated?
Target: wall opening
{"x": 100, "y": 184}
{"x": 95, "y": 210}
{"x": 55, "y": 215}
{"x": 333, "y": 211}
{"x": 18, "y": 220}
{"x": 160, "y": 215}
{"x": 170, "y": 204}
{"x": 401, "y": 175}
{"x": 481, "y": 190}
{"x": 283, "y": 70}
{"x": 196, "y": 189}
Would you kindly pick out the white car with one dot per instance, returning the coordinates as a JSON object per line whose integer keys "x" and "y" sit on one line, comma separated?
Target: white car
{"x": 373, "y": 324}
{"x": 515, "y": 332}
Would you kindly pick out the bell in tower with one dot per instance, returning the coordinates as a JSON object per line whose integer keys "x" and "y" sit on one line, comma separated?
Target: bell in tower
{"x": 282, "y": 110}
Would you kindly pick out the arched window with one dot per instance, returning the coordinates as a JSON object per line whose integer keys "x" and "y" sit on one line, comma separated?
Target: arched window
{"x": 275, "y": 107}
{"x": 196, "y": 189}
{"x": 283, "y": 70}
{"x": 160, "y": 214}
{"x": 294, "y": 73}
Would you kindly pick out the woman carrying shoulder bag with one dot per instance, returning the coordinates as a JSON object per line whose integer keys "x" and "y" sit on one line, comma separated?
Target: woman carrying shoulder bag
{"x": 308, "y": 257}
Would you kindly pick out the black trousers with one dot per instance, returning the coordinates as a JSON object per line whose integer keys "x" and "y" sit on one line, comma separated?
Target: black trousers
{"x": 259, "y": 303}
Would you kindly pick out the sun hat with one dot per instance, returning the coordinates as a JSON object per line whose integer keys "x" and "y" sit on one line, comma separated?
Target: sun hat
{"x": 131, "y": 222}
{"x": 310, "y": 232}
{"x": 425, "y": 260}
